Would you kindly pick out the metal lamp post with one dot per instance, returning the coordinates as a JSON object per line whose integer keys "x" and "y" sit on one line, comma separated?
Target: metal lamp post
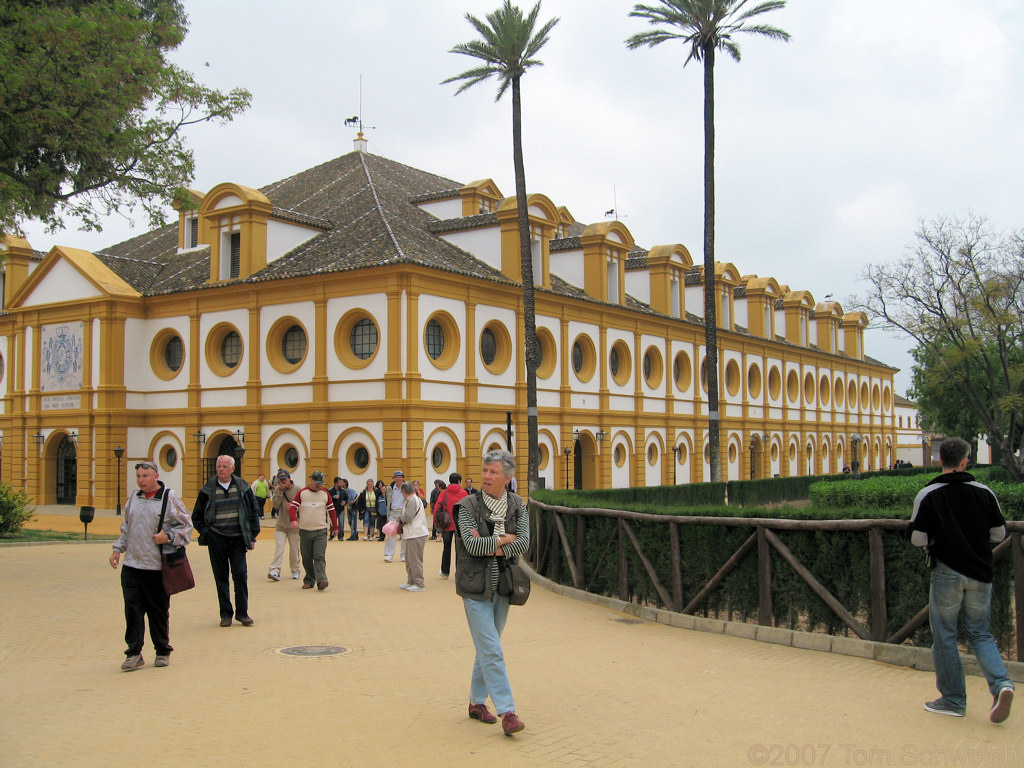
{"x": 118, "y": 453}
{"x": 925, "y": 445}
{"x": 567, "y": 451}
{"x": 675, "y": 462}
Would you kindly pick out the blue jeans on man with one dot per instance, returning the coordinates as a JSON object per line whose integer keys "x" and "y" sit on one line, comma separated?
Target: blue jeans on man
{"x": 951, "y": 595}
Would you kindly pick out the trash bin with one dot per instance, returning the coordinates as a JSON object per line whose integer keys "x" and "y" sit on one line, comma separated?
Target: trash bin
{"x": 86, "y": 514}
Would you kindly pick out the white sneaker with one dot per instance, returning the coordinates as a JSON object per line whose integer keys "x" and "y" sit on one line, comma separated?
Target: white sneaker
{"x": 387, "y": 559}
{"x": 274, "y": 576}
{"x": 404, "y": 586}
{"x": 414, "y": 588}
{"x": 442, "y": 574}
{"x": 296, "y": 575}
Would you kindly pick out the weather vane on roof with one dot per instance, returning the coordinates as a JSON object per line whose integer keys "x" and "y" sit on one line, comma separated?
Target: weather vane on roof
{"x": 357, "y": 120}
{"x": 613, "y": 212}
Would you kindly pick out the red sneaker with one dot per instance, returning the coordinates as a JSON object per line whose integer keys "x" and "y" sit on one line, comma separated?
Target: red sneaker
{"x": 511, "y": 724}
{"x": 482, "y": 713}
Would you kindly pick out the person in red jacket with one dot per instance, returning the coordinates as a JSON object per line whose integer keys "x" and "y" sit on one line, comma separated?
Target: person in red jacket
{"x": 447, "y": 500}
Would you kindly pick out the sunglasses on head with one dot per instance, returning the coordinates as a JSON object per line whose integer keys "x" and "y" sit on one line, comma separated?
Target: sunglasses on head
{"x": 146, "y": 465}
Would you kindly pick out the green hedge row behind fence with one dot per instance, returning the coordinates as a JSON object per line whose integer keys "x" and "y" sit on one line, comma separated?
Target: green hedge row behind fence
{"x": 741, "y": 493}
{"x": 898, "y": 493}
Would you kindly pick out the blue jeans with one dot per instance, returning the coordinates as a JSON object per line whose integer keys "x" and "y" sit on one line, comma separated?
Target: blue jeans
{"x": 951, "y": 595}
{"x": 486, "y": 621}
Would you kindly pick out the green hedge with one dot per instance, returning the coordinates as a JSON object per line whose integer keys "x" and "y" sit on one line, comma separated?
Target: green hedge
{"x": 645, "y": 498}
{"x": 14, "y": 510}
{"x": 838, "y": 559}
{"x": 897, "y": 493}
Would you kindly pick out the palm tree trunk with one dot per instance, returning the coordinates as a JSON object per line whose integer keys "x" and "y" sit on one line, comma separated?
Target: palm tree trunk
{"x": 710, "y": 315}
{"x": 529, "y": 309}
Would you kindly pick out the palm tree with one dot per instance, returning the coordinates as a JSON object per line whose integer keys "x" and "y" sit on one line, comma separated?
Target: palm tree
{"x": 706, "y": 26}
{"x": 508, "y": 46}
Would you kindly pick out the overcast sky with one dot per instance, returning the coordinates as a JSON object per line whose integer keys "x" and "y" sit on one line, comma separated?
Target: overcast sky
{"x": 830, "y": 148}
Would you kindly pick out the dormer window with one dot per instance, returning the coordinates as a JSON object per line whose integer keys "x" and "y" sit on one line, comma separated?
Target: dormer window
{"x": 613, "y": 278}
{"x": 231, "y": 248}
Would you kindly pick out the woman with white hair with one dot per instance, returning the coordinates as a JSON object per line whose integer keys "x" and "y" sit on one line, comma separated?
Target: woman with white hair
{"x": 492, "y": 525}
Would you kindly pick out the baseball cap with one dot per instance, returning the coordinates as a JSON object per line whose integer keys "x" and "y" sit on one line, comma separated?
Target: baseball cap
{"x": 283, "y": 474}
{"x": 399, "y": 473}
{"x": 317, "y": 477}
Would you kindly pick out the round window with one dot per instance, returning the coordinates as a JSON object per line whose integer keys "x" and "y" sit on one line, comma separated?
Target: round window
{"x": 361, "y": 458}
{"x": 174, "y": 353}
{"x": 170, "y": 458}
{"x": 681, "y": 371}
{"x": 437, "y": 458}
{"x": 293, "y": 344}
{"x": 488, "y": 346}
{"x": 363, "y": 338}
{"x": 231, "y": 349}
{"x": 291, "y": 458}
{"x": 434, "y": 339}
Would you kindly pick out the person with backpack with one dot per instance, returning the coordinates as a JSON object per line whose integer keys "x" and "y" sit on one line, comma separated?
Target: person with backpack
{"x": 444, "y": 519}
{"x": 438, "y": 487}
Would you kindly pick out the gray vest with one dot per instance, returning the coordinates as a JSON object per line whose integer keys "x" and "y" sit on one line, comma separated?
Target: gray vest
{"x": 473, "y": 574}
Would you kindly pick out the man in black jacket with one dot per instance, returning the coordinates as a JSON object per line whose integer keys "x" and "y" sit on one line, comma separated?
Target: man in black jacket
{"x": 227, "y": 519}
{"x": 958, "y": 520}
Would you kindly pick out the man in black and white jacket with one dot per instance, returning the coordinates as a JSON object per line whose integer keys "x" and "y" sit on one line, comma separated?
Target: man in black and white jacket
{"x": 958, "y": 520}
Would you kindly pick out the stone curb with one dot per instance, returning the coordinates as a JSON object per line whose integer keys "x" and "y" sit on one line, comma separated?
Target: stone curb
{"x": 887, "y": 653}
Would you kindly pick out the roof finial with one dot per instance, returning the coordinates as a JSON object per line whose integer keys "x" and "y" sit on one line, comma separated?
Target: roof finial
{"x": 360, "y": 142}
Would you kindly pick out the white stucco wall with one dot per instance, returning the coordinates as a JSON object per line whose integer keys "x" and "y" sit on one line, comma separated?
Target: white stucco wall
{"x": 283, "y": 237}
{"x": 61, "y": 284}
{"x": 485, "y": 244}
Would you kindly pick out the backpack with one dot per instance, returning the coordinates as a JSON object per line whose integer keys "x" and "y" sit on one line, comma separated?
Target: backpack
{"x": 442, "y": 517}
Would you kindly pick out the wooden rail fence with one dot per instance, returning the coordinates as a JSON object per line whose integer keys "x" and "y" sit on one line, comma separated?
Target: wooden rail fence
{"x": 548, "y": 540}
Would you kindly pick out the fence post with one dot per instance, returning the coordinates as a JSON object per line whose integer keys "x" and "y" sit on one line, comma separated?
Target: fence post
{"x": 580, "y": 542}
{"x": 623, "y": 571}
{"x": 677, "y": 568}
{"x": 1018, "y": 591}
{"x": 764, "y": 579}
{"x": 879, "y": 614}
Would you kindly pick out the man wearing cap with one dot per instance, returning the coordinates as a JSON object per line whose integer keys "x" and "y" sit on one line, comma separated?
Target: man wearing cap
{"x": 311, "y": 511}
{"x": 396, "y": 506}
{"x": 284, "y": 491}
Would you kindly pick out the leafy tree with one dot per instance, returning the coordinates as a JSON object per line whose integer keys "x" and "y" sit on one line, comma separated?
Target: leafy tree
{"x": 959, "y": 294}
{"x": 14, "y": 510}
{"x": 91, "y": 112}
{"x": 508, "y": 46}
{"x": 706, "y": 26}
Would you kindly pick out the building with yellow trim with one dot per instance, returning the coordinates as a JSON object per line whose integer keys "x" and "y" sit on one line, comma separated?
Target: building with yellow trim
{"x": 364, "y": 316}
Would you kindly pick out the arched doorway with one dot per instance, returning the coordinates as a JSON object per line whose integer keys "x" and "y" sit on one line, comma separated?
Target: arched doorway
{"x": 756, "y": 458}
{"x": 67, "y": 471}
{"x": 227, "y": 446}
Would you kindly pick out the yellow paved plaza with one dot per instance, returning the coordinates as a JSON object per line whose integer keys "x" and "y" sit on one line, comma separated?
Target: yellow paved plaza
{"x": 595, "y": 687}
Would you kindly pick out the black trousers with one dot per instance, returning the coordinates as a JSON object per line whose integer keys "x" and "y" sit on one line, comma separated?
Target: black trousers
{"x": 229, "y": 552}
{"x": 446, "y": 552}
{"x": 144, "y": 597}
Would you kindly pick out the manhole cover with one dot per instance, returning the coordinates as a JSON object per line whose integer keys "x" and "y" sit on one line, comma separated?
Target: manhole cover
{"x": 314, "y": 650}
